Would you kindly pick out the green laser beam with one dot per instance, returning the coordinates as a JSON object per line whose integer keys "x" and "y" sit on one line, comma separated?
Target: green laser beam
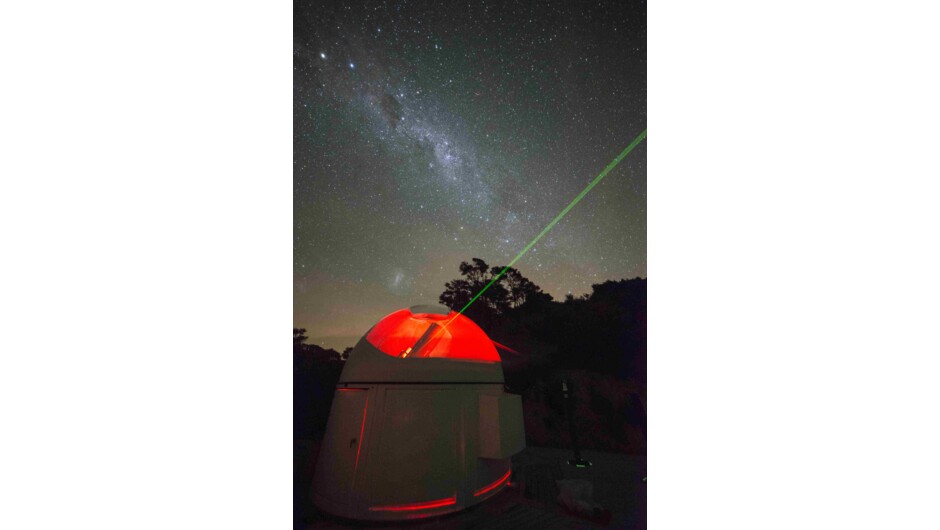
{"x": 636, "y": 141}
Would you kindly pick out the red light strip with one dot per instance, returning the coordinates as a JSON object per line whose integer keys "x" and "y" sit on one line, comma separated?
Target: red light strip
{"x": 416, "y": 506}
{"x": 362, "y": 430}
{"x": 504, "y": 347}
{"x": 494, "y": 485}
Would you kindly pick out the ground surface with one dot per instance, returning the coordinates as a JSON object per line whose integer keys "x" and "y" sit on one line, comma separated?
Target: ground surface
{"x": 530, "y": 502}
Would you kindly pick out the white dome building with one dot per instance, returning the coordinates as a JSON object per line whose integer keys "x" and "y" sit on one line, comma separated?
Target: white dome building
{"x": 420, "y": 423}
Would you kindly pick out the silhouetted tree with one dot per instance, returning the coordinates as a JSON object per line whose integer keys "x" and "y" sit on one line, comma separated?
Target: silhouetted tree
{"x": 306, "y": 353}
{"x": 456, "y": 294}
{"x": 519, "y": 289}
{"x": 300, "y": 338}
{"x": 316, "y": 372}
{"x": 511, "y": 291}
{"x": 477, "y": 275}
{"x": 476, "y": 272}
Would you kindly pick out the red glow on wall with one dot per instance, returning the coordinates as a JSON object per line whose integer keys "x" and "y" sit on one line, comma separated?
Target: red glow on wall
{"x": 491, "y": 487}
{"x": 458, "y": 337}
{"x": 416, "y": 506}
{"x": 351, "y": 389}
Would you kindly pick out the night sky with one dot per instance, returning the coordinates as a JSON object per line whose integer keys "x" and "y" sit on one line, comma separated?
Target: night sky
{"x": 427, "y": 134}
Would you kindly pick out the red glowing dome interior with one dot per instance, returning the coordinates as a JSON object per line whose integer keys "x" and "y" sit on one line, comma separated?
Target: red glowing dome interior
{"x": 411, "y": 335}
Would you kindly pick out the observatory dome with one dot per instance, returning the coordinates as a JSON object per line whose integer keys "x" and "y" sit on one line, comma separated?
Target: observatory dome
{"x": 421, "y": 424}
{"x": 431, "y": 331}
{"x": 424, "y": 343}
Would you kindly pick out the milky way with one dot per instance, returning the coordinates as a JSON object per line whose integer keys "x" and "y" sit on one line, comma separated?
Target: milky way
{"x": 425, "y": 135}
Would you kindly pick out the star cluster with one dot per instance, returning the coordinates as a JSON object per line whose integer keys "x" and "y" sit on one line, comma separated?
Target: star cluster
{"x": 429, "y": 133}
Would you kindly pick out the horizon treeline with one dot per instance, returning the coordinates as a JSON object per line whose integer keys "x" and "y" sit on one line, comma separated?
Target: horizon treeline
{"x": 602, "y": 331}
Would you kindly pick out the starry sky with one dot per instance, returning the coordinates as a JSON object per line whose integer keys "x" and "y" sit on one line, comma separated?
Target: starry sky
{"x": 429, "y": 133}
